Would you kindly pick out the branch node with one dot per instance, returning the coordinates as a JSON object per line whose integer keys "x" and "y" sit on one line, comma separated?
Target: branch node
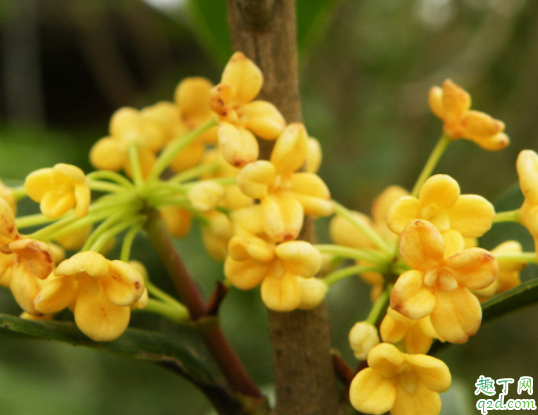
{"x": 257, "y": 12}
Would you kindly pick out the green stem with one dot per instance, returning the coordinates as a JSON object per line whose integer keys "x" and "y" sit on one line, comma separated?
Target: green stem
{"x": 434, "y": 158}
{"x": 110, "y": 175}
{"x": 340, "y": 274}
{"x": 380, "y": 306}
{"x": 508, "y": 216}
{"x": 134, "y": 160}
{"x": 346, "y": 252}
{"x": 19, "y": 192}
{"x": 105, "y": 186}
{"x": 194, "y": 173}
{"x": 32, "y": 220}
{"x": 163, "y": 296}
{"x": 175, "y": 147}
{"x": 128, "y": 243}
{"x": 176, "y": 314}
{"x": 106, "y": 236}
{"x": 110, "y": 221}
{"x": 526, "y": 257}
{"x": 363, "y": 227}
{"x": 225, "y": 181}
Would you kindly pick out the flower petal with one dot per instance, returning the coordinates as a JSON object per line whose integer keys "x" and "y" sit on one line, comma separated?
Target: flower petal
{"x": 457, "y": 314}
{"x": 439, "y": 190}
{"x": 313, "y": 194}
{"x": 456, "y": 101}
{"x": 100, "y": 319}
{"x": 283, "y": 217}
{"x": 244, "y": 75}
{"x": 473, "y": 268}
{"x": 242, "y": 248}
{"x": 472, "y": 216}
{"x": 402, "y": 212}
{"x": 245, "y": 274}
{"x": 255, "y": 178}
{"x": 263, "y": 119}
{"x": 25, "y": 287}
{"x": 410, "y": 297}
{"x": 299, "y": 257}
{"x": 527, "y": 170}
{"x": 57, "y": 293}
{"x": 421, "y": 245}
{"x": 238, "y": 145}
{"x": 432, "y": 372}
{"x": 290, "y": 150}
{"x": 281, "y": 293}
{"x": 421, "y": 401}
{"x": 124, "y": 285}
{"x": 38, "y": 183}
{"x": 372, "y": 393}
{"x": 91, "y": 263}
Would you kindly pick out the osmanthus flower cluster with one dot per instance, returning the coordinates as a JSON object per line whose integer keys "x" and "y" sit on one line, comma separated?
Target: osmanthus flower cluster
{"x": 196, "y": 159}
{"x": 193, "y": 159}
{"x": 429, "y": 277}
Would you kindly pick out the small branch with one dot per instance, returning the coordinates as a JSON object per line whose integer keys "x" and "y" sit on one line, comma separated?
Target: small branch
{"x": 209, "y": 327}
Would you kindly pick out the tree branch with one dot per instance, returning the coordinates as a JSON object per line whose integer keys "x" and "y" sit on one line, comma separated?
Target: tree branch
{"x": 304, "y": 378}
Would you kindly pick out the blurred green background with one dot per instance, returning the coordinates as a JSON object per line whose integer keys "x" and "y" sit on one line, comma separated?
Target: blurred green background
{"x": 366, "y": 67}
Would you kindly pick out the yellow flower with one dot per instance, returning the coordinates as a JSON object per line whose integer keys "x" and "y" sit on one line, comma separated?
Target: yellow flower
{"x": 508, "y": 276}
{"x": 216, "y": 234}
{"x": 438, "y": 286}
{"x": 177, "y": 220}
{"x": 252, "y": 261}
{"x": 206, "y": 195}
{"x": 102, "y": 292}
{"x": 527, "y": 170}
{"x": 401, "y": 383}
{"x": 23, "y": 262}
{"x": 452, "y": 104}
{"x": 417, "y": 335}
{"x": 74, "y": 239}
{"x": 362, "y": 338}
{"x": 313, "y": 292}
{"x": 241, "y": 118}
{"x": 190, "y": 110}
{"x": 58, "y": 189}
{"x": 233, "y": 199}
{"x": 285, "y": 196}
{"x": 441, "y": 203}
{"x": 127, "y": 126}
{"x": 7, "y": 194}
{"x": 345, "y": 233}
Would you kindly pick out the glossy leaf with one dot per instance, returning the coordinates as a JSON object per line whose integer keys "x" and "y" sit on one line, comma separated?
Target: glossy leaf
{"x": 185, "y": 355}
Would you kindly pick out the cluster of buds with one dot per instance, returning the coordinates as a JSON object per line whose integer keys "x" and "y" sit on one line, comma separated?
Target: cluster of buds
{"x": 419, "y": 252}
{"x": 197, "y": 159}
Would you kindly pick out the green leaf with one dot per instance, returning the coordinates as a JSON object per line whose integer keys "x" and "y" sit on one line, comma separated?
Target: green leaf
{"x": 209, "y": 24}
{"x": 523, "y": 295}
{"x": 185, "y": 354}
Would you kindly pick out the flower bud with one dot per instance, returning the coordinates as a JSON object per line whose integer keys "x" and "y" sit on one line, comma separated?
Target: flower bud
{"x": 362, "y": 337}
{"x": 205, "y": 196}
{"x": 313, "y": 292}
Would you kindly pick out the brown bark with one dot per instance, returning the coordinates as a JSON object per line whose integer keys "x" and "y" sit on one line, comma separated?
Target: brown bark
{"x": 265, "y": 31}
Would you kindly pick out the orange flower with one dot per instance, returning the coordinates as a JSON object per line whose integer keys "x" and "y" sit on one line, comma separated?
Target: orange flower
{"x": 102, "y": 292}
{"x": 438, "y": 286}
{"x": 404, "y": 384}
{"x": 452, "y": 104}
{"x": 240, "y": 117}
